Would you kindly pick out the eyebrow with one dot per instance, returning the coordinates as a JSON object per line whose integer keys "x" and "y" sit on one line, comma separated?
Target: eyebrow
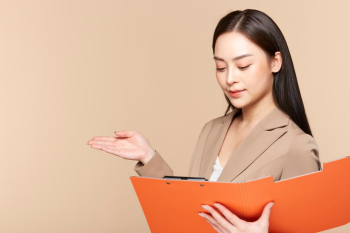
{"x": 235, "y": 58}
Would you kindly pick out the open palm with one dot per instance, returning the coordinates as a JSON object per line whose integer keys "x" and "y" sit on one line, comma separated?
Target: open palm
{"x": 129, "y": 144}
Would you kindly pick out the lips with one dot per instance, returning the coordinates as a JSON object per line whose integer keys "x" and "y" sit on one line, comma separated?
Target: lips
{"x": 235, "y": 91}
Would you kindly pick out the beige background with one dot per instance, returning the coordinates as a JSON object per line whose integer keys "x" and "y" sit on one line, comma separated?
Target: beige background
{"x": 72, "y": 70}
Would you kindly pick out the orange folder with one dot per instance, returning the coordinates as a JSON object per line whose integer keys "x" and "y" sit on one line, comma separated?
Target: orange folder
{"x": 311, "y": 202}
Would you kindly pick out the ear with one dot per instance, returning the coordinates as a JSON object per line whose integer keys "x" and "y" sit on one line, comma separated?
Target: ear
{"x": 276, "y": 62}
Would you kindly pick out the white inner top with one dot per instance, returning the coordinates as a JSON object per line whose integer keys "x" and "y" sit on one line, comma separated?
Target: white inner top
{"x": 216, "y": 170}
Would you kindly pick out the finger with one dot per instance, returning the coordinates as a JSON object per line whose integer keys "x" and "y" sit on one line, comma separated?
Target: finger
{"x": 124, "y": 133}
{"x": 112, "y": 151}
{"x": 107, "y": 143}
{"x": 236, "y": 221}
{"x": 125, "y": 154}
{"x": 130, "y": 154}
{"x": 212, "y": 221}
{"x": 97, "y": 146}
{"x": 101, "y": 143}
{"x": 223, "y": 224}
{"x": 104, "y": 138}
{"x": 214, "y": 226}
{"x": 264, "y": 219}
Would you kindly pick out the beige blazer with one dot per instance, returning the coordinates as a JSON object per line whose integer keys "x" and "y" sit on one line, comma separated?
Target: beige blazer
{"x": 275, "y": 146}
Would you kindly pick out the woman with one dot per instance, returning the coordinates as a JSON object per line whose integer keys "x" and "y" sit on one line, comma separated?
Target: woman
{"x": 266, "y": 134}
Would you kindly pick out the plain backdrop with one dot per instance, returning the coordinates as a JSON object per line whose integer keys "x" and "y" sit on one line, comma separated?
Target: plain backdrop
{"x": 72, "y": 70}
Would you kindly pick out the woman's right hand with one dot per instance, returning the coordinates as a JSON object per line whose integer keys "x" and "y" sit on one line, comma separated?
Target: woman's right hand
{"x": 128, "y": 144}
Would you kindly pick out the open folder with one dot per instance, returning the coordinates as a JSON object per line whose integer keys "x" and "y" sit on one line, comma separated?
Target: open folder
{"x": 312, "y": 202}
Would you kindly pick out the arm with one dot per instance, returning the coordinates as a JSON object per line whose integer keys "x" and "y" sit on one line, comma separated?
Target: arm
{"x": 155, "y": 167}
{"x": 302, "y": 157}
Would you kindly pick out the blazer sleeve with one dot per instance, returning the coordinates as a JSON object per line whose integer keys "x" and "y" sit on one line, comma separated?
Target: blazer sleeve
{"x": 155, "y": 167}
{"x": 302, "y": 157}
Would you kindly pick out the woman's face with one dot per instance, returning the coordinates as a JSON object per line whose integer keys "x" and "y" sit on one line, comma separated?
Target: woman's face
{"x": 251, "y": 73}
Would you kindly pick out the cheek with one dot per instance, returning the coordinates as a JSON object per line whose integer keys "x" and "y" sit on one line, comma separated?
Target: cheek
{"x": 259, "y": 82}
{"x": 221, "y": 80}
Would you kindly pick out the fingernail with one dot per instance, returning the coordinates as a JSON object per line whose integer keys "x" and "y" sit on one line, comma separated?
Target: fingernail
{"x": 200, "y": 214}
{"x": 216, "y": 204}
{"x": 205, "y": 207}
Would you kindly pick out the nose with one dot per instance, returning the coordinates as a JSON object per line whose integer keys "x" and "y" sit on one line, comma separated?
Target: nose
{"x": 232, "y": 76}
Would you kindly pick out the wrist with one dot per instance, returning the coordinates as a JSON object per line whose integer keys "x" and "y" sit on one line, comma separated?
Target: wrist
{"x": 148, "y": 156}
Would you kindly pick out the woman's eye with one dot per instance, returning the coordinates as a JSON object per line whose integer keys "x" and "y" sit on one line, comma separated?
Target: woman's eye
{"x": 242, "y": 68}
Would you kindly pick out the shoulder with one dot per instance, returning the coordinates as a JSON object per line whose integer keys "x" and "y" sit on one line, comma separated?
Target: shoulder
{"x": 303, "y": 149}
{"x": 299, "y": 140}
{"x": 221, "y": 119}
{"x": 205, "y": 128}
{"x": 302, "y": 156}
{"x": 213, "y": 122}
{"x": 217, "y": 120}
{"x": 303, "y": 141}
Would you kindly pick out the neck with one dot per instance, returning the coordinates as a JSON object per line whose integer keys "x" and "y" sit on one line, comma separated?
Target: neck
{"x": 252, "y": 114}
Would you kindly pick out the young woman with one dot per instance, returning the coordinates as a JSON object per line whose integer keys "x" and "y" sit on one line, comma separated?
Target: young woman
{"x": 267, "y": 133}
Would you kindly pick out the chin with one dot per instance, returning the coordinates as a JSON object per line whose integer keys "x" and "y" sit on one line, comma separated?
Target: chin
{"x": 238, "y": 103}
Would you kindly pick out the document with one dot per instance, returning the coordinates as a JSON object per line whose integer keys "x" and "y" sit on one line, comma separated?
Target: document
{"x": 311, "y": 202}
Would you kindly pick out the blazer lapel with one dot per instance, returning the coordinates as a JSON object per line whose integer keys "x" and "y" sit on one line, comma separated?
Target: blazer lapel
{"x": 263, "y": 135}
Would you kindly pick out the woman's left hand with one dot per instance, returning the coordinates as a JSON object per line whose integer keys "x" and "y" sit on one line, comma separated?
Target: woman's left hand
{"x": 233, "y": 224}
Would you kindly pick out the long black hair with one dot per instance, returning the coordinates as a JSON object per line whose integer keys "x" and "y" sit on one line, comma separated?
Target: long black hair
{"x": 263, "y": 31}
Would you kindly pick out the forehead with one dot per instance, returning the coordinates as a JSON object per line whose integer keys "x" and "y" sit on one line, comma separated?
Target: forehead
{"x": 232, "y": 44}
